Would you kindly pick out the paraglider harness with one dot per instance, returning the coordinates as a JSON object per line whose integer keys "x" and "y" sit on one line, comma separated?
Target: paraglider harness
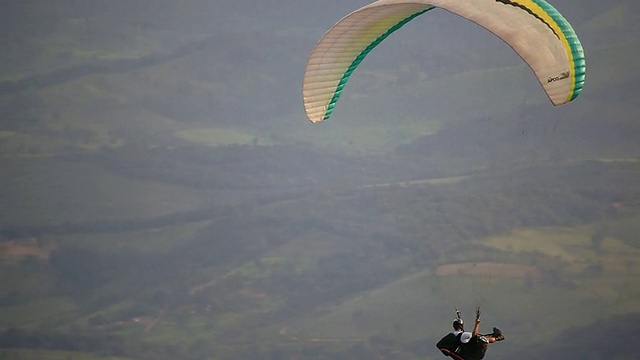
{"x": 451, "y": 345}
{"x": 453, "y": 355}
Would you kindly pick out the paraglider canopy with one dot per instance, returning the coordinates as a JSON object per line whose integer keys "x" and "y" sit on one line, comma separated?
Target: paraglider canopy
{"x": 536, "y": 31}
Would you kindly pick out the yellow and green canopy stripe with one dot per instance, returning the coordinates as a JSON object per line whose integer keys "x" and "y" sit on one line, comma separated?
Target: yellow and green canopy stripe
{"x": 572, "y": 45}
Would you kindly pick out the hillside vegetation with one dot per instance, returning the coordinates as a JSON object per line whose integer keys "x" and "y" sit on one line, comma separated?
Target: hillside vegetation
{"x": 164, "y": 196}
